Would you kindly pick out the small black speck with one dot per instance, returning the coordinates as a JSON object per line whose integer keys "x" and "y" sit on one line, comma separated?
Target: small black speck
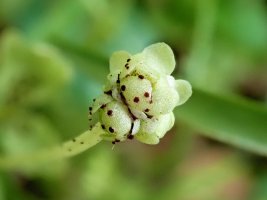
{"x": 123, "y": 87}
{"x": 147, "y": 110}
{"x": 149, "y": 116}
{"x": 109, "y": 112}
{"x": 108, "y": 92}
{"x": 103, "y": 126}
{"x": 128, "y": 60}
{"x": 141, "y": 76}
{"x": 74, "y": 140}
{"x": 116, "y": 140}
{"x": 136, "y": 99}
{"x": 90, "y": 108}
{"x": 146, "y": 94}
{"x": 81, "y": 142}
{"x": 93, "y": 100}
{"x": 103, "y": 106}
{"x": 130, "y": 137}
{"x": 111, "y": 129}
{"x": 113, "y": 142}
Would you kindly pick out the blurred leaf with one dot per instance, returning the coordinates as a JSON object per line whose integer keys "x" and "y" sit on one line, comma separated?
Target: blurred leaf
{"x": 1, "y": 189}
{"x": 234, "y": 121}
{"x": 30, "y": 74}
{"x": 212, "y": 174}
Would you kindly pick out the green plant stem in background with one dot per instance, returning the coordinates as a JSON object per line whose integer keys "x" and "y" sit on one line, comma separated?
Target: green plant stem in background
{"x": 234, "y": 121}
{"x": 70, "y": 148}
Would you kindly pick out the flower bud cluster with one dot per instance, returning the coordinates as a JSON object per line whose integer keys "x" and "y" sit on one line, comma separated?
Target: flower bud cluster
{"x": 140, "y": 96}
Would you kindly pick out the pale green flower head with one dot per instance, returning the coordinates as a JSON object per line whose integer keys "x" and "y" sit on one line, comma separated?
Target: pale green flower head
{"x": 140, "y": 95}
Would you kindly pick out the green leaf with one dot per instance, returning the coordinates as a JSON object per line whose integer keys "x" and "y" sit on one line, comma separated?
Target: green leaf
{"x": 235, "y": 121}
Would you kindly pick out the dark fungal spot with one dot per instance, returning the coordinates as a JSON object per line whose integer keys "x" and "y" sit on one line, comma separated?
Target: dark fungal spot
{"x": 90, "y": 108}
{"x": 103, "y": 106}
{"x": 113, "y": 142}
{"x": 130, "y": 137}
{"x": 74, "y": 140}
{"x": 146, "y": 94}
{"x": 109, "y": 112}
{"x": 93, "y": 100}
{"x": 81, "y": 142}
{"x": 141, "y": 76}
{"x": 128, "y": 60}
{"x": 118, "y": 80}
{"x": 90, "y": 113}
{"x": 111, "y": 129}
{"x": 149, "y": 116}
{"x": 136, "y": 99}
{"x": 131, "y": 130}
{"x": 109, "y": 92}
{"x": 127, "y": 66}
{"x": 116, "y": 140}
{"x": 123, "y": 87}
{"x": 147, "y": 110}
{"x": 103, "y": 126}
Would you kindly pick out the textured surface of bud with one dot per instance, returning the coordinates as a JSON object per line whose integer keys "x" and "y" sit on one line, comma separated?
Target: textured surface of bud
{"x": 140, "y": 96}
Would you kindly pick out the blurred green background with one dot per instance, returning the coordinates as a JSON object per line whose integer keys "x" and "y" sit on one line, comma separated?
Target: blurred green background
{"x": 54, "y": 60}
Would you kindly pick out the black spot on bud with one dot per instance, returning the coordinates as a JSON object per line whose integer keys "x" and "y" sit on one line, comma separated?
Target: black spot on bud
{"x": 123, "y": 87}
{"x": 128, "y": 60}
{"x": 130, "y": 137}
{"x": 146, "y": 94}
{"x": 93, "y": 100}
{"x": 108, "y": 92}
{"x": 147, "y": 110}
{"x": 109, "y": 112}
{"x": 103, "y": 126}
{"x": 103, "y": 106}
{"x": 90, "y": 108}
{"x": 141, "y": 76}
{"x": 127, "y": 66}
{"x": 149, "y": 116}
{"x": 118, "y": 79}
{"x": 111, "y": 129}
{"x": 113, "y": 142}
{"x": 136, "y": 99}
{"x": 74, "y": 140}
{"x": 81, "y": 142}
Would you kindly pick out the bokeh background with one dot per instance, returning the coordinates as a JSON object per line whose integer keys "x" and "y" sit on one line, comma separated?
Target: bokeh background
{"x": 54, "y": 60}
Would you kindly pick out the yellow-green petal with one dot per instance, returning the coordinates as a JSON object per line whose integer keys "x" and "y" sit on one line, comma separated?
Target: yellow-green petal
{"x": 160, "y": 57}
{"x": 184, "y": 90}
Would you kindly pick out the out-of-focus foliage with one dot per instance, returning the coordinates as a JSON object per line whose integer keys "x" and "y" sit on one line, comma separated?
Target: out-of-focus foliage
{"x": 54, "y": 61}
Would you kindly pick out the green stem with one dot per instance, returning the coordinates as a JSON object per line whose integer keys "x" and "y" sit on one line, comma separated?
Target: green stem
{"x": 70, "y": 148}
